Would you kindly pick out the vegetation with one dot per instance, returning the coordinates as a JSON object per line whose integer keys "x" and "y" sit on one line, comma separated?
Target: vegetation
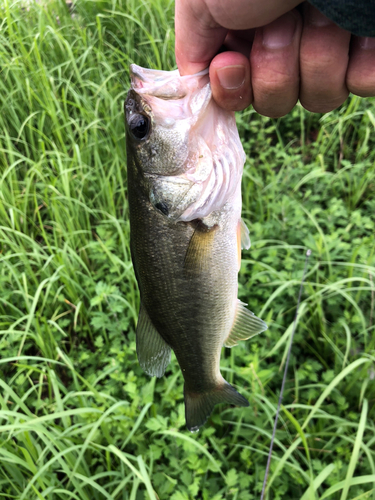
{"x": 78, "y": 417}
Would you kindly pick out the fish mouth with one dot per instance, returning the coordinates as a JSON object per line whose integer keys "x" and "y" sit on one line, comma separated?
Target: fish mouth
{"x": 188, "y": 95}
{"x": 166, "y": 85}
{"x": 162, "y": 84}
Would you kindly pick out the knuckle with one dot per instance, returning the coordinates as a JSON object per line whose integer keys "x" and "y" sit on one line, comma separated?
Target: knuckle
{"x": 316, "y": 107}
{"x": 275, "y": 94}
{"x": 313, "y": 64}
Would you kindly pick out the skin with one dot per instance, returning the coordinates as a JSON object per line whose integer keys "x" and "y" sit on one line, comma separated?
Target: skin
{"x": 278, "y": 52}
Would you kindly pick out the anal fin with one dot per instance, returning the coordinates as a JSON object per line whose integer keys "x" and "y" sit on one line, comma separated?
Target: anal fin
{"x": 245, "y": 326}
{"x": 154, "y": 354}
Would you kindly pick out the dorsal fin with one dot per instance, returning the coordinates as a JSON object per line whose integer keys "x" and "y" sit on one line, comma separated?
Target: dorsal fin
{"x": 245, "y": 326}
{"x": 154, "y": 354}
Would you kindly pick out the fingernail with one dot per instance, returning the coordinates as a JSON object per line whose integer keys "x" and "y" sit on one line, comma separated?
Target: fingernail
{"x": 231, "y": 77}
{"x": 316, "y": 18}
{"x": 280, "y": 33}
{"x": 367, "y": 42}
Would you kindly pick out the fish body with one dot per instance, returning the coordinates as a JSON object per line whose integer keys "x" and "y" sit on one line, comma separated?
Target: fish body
{"x": 185, "y": 164}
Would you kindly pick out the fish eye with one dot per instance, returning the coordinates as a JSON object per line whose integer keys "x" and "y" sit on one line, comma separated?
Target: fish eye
{"x": 139, "y": 126}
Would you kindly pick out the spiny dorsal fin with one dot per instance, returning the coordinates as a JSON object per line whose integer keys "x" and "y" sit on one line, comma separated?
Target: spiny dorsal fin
{"x": 245, "y": 326}
{"x": 154, "y": 354}
{"x": 197, "y": 258}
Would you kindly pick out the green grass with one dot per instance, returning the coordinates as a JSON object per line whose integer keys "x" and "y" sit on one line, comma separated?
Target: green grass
{"x": 78, "y": 417}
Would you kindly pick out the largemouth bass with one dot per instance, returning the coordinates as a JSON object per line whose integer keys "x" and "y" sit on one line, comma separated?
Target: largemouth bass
{"x": 185, "y": 163}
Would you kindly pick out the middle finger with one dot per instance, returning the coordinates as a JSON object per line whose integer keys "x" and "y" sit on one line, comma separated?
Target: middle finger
{"x": 275, "y": 65}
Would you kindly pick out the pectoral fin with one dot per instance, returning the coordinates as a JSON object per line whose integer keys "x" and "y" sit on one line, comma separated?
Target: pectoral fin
{"x": 154, "y": 354}
{"x": 197, "y": 258}
{"x": 245, "y": 326}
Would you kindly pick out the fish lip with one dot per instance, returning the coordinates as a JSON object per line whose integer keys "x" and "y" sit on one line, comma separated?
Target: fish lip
{"x": 145, "y": 74}
{"x": 150, "y": 75}
{"x": 152, "y": 82}
{"x": 166, "y": 85}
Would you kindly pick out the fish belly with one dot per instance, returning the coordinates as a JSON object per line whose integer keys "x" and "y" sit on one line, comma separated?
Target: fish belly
{"x": 192, "y": 311}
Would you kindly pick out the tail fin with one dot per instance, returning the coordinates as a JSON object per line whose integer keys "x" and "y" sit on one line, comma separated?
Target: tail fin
{"x": 198, "y": 406}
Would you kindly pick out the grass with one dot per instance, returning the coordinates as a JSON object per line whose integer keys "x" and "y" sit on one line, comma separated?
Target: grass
{"x": 78, "y": 417}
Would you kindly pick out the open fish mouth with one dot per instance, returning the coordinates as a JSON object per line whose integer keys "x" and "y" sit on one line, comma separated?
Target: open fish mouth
{"x": 197, "y": 139}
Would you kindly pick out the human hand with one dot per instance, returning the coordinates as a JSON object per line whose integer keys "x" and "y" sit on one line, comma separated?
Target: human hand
{"x": 277, "y": 54}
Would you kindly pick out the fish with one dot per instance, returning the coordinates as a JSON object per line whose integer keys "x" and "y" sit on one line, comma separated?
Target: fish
{"x": 184, "y": 168}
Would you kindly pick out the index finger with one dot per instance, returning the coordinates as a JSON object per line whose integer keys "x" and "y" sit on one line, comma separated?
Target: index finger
{"x": 202, "y": 25}
{"x": 198, "y": 36}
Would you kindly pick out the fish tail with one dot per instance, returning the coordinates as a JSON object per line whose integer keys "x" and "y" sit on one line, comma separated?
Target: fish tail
{"x": 198, "y": 406}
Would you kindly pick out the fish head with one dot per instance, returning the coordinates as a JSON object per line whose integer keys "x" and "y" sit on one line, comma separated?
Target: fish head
{"x": 183, "y": 143}
{"x": 158, "y": 121}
